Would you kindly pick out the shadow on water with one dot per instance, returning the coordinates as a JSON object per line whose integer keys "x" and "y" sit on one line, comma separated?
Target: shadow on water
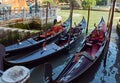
{"x": 96, "y": 74}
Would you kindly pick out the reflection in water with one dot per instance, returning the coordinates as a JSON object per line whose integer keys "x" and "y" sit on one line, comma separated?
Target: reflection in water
{"x": 96, "y": 74}
{"x": 107, "y": 74}
{"x": 117, "y": 62}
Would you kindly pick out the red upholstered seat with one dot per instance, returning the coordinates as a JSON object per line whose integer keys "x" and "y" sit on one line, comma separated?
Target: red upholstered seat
{"x": 97, "y": 35}
{"x": 57, "y": 28}
{"x": 42, "y": 36}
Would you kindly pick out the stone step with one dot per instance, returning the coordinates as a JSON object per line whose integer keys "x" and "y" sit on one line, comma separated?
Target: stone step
{"x": 12, "y": 34}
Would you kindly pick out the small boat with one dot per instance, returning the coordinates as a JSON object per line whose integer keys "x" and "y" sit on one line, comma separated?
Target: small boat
{"x": 35, "y": 42}
{"x": 61, "y": 45}
{"x": 82, "y": 60}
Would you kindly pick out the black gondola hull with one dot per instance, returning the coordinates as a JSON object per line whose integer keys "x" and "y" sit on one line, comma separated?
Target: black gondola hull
{"x": 34, "y": 46}
{"x": 36, "y": 62}
{"x": 33, "y": 59}
{"x": 87, "y": 56}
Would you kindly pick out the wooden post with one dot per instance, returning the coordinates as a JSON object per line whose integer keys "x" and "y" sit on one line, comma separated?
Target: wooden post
{"x": 110, "y": 29}
{"x": 71, "y": 14}
{"x": 46, "y": 20}
{"x": 108, "y": 21}
{"x": 2, "y": 54}
{"x": 111, "y": 19}
{"x": 36, "y": 6}
{"x": 88, "y": 19}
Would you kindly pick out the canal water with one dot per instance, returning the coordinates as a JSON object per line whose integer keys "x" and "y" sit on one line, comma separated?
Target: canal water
{"x": 98, "y": 73}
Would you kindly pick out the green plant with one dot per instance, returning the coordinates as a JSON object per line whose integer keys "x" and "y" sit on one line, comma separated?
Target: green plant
{"x": 35, "y": 25}
{"x": 101, "y": 2}
{"x": 45, "y": 1}
{"x": 32, "y": 25}
{"x": 48, "y": 26}
{"x": 87, "y": 3}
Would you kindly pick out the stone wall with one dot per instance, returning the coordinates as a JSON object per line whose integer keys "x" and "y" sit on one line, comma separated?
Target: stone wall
{"x": 8, "y": 17}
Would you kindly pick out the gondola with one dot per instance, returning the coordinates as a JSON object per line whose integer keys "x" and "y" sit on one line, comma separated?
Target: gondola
{"x": 82, "y": 60}
{"x": 61, "y": 45}
{"x": 36, "y": 41}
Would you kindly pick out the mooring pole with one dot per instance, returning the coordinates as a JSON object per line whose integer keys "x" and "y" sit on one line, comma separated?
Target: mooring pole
{"x": 109, "y": 17}
{"x": 36, "y": 6}
{"x": 88, "y": 19}
{"x": 46, "y": 20}
{"x": 2, "y": 54}
{"x": 110, "y": 29}
{"x": 71, "y": 14}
